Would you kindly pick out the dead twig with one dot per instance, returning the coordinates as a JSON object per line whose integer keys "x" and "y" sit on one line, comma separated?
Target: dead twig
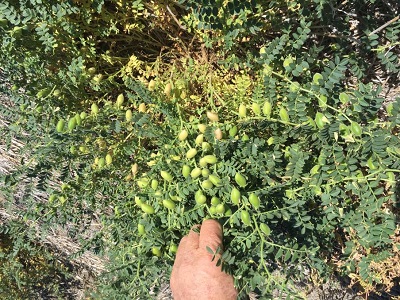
{"x": 384, "y": 25}
{"x": 175, "y": 19}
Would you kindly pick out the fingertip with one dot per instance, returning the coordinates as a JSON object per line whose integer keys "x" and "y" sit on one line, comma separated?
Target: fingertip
{"x": 191, "y": 241}
{"x": 211, "y": 224}
{"x": 210, "y": 235}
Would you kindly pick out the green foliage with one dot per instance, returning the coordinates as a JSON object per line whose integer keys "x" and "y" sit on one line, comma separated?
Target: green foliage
{"x": 312, "y": 147}
{"x": 28, "y": 271}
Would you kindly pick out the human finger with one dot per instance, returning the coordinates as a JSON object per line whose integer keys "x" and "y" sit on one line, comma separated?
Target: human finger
{"x": 190, "y": 241}
{"x": 187, "y": 246}
{"x": 210, "y": 235}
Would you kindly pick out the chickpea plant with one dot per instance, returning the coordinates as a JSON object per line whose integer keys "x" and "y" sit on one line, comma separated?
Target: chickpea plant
{"x": 283, "y": 183}
{"x": 146, "y": 124}
{"x": 273, "y": 178}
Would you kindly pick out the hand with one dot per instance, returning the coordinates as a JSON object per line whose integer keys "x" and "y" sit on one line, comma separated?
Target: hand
{"x": 194, "y": 275}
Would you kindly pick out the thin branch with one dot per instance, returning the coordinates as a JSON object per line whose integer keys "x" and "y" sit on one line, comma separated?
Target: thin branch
{"x": 175, "y": 19}
{"x": 384, "y": 25}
